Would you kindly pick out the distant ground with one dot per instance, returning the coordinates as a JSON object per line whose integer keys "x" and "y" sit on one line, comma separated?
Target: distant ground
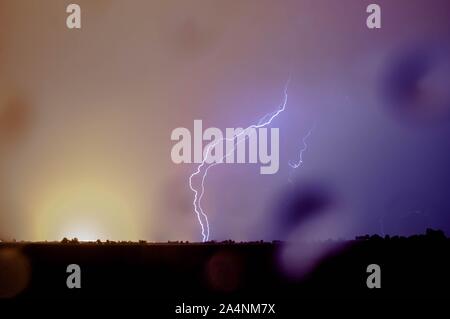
{"x": 414, "y": 267}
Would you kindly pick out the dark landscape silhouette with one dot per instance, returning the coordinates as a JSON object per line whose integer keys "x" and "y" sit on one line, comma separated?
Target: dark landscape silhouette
{"x": 415, "y": 266}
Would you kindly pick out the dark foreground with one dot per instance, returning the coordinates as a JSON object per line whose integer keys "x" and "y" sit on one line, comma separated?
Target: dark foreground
{"x": 415, "y": 267}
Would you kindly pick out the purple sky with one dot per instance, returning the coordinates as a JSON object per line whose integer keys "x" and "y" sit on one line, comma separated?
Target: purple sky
{"x": 86, "y": 117}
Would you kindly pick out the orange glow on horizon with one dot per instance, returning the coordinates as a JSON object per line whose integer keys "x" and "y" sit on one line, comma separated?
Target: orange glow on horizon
{"x": 88, "y": 206}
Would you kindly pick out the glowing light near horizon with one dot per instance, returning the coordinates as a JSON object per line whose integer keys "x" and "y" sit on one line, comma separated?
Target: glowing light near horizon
{"x": 82, "y": 230}
{"x": 88, "y": 208}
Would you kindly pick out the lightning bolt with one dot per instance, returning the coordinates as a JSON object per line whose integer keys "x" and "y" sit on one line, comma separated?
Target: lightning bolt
{"x": 299, "y": 162}
{"x": 198, "y": 193}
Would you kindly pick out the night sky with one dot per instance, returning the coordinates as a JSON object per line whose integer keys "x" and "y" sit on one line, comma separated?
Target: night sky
{"x": 86, "y": 118}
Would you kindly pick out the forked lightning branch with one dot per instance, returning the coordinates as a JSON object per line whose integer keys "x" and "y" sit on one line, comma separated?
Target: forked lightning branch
{"x": 236, "y": 146}
{"x": 226, "y": 148}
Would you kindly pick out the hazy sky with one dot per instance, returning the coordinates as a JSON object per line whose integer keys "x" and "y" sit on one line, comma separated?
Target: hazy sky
{"x": 86, "y": 117}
